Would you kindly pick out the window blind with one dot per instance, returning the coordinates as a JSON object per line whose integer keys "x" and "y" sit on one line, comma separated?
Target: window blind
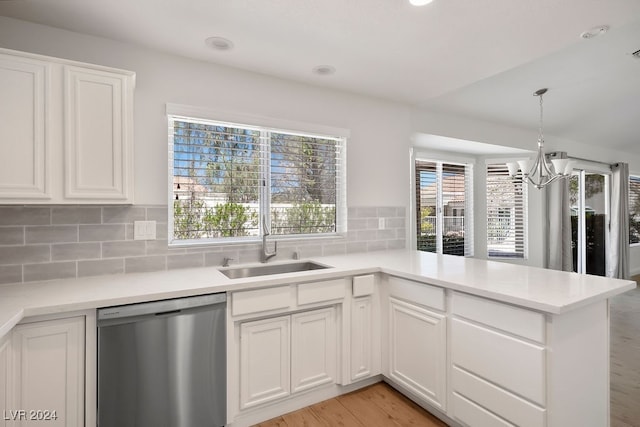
{"x": 304, "y": 184}
{"x": 444, "y": 205}
{"x": 426, "y": 206}
{"x": 226, "y": 177}
{"x": 506, "y": 214}
{"x": 634, "y": 209}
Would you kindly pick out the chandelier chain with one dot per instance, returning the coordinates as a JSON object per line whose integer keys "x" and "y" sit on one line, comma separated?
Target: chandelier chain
{"x": 540, "y": 133}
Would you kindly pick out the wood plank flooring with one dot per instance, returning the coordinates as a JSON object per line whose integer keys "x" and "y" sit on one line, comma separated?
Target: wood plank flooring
{"x": 380, "y": 405}
{"x": 625, "y": 359}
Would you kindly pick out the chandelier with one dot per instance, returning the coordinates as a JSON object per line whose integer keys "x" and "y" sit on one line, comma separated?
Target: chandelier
{"x": 539, "y": 172}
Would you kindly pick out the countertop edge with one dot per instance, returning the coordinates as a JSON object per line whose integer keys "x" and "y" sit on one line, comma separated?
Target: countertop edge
{"x": 520, "y": 302}
{"x": 26, "y": 300}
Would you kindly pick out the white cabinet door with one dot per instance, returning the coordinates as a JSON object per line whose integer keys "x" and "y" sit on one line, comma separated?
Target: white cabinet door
{"x": 66, "y": 131}
{"x": 314, "y": 350}
{"x": 24, "y": 129}
{"x": 264, "y": 361}
{"x": 417, "y": 350}
{"x": 97, "y": 134}
{"x": 48, "y": 367}
{"x": 5, "y": 378}
{"x": 361, "y": 338}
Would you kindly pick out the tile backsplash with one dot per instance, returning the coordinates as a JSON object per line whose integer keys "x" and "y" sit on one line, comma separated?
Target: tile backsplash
{"x": 59, "y": 242}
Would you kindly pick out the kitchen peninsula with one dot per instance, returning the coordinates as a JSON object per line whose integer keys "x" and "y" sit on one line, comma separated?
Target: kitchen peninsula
{"x": 475, "y": 342}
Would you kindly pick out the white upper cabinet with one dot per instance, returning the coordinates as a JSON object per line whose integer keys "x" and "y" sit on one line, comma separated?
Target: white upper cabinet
{"x": 67, "y": 129}
{"x": 25, "y": 141}
{"x": 97, "y": 134}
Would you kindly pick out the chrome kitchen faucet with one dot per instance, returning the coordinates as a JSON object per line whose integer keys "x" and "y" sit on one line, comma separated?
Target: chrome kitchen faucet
{"x": 266, "y": 255}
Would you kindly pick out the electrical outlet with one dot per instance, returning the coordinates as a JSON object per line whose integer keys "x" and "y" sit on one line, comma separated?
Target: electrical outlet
{"x": 144, "y": 230}
{"x": 382, "y": 224}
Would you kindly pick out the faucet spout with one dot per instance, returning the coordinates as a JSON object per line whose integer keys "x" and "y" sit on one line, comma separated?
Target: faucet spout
{"x": 266, "y": 255}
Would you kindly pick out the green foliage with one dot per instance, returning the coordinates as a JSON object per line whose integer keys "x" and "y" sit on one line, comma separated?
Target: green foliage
{"x": 452, "y": 243}
{"x": 426, "y": 226}
{"x": 304, "y": 218}
{"x": 594, "y": 184}
{"x": 229, "y": 220}
{"x": 634, "y": 228}
{"x": 193, "y": 220}
{"x": 187, "y": 221}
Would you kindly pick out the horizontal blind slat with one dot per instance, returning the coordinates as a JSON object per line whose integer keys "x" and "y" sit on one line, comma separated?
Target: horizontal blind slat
{"x": 506, "y": 213}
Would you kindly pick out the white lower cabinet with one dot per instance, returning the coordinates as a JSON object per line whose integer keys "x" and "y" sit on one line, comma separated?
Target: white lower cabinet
{"x": 264, "y": 361}
{"x": 5, "y": 377}
{"x": 314, "y": 349}
{"x": 287, "y": 354}
{"x": 498, "y": 364}
{"x": 362, "y": 349}
{"x": 48, "y": 373}
{"x": 417, "y": 350}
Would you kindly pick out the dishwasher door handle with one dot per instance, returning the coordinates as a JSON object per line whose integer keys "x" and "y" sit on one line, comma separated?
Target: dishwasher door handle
{"x": 165, "y": 313}
{"x": 163, "y": 306}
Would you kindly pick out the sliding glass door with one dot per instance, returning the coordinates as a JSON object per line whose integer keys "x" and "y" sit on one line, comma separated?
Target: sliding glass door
{"x": 589, "y": 194}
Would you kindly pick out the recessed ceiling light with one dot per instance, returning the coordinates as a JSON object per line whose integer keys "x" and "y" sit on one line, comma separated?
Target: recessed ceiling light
{"x": 219, "y": 43}
{"x": 594, "y": 32}
{"x": 324, "y": 70}
{"x": 420, "y": 2}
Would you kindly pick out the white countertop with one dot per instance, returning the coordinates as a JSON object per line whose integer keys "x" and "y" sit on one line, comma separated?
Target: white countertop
{"x": 549, "y": 291}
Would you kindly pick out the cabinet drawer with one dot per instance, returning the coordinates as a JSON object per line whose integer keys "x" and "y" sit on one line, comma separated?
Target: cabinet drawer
{"x": 473, "y": 415}
{"x": 363, "y": 285}
{"x": 496, "y": 400}
{"x": 309, "y": 293}
{"x": 419, "y": 293}
{"x": 246, "y": 302}
{"x": 512, "y": 364}
{"x": 518, "y": 321}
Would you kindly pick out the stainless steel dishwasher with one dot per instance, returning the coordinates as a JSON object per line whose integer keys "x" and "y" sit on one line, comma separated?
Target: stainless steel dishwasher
{"x": 163, "y": 363}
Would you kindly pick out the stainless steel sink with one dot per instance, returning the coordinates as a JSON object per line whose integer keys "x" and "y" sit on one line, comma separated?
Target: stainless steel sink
{"x": 263, "y": 270}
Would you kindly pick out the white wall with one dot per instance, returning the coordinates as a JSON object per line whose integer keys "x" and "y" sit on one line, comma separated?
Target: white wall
{"x": 490, "y": 133}
{"x": 378, "y": 149}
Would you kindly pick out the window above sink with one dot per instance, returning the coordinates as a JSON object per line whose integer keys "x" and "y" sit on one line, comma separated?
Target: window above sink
{"x": 225, "y": 177}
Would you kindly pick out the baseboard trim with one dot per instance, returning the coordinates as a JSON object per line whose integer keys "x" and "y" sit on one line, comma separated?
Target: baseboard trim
{"x": 273, "y": 410}
{"x": 436, "y": 412}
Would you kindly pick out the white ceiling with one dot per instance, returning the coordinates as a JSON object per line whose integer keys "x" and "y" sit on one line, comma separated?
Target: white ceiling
{"x": 477, "y": 58}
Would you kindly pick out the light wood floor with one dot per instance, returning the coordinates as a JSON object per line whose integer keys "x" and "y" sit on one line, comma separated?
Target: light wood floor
{"x": 380, "y": 405}
{"x": 375, "y": 406}
{"x": 625, "y": 359}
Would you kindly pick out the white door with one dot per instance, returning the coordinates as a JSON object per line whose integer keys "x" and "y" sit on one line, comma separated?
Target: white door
{"x": 314, "y": 349}
{"x": 24, "y": 128}
{"x": 48, "y": 362}
{"x": 264, "y": 361}
{"x": 589, "y": 197}
{"x": 417, "y": 350}
{"x": 361, "y": 338}
{"x": 97, "y": 134}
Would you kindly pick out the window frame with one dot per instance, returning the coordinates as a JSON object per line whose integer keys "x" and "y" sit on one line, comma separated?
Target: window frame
{"x": 266, "y": 125}
{"x": 450, "y": 159}
{"x": 525, "y": 215}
